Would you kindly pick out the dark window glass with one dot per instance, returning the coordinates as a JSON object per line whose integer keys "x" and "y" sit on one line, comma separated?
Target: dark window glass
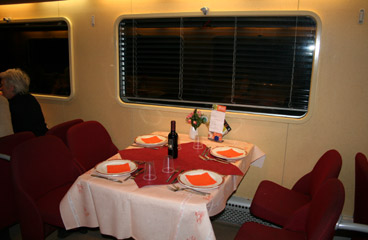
{"x": 249, "y": 64}
{"x": 42, "y": 50}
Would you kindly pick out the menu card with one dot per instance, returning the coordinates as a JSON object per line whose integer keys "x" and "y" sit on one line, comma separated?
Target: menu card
{"x": 217, "y": 123}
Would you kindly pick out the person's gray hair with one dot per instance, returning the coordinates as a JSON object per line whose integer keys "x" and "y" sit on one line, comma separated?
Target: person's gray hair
{"x": 17, "y": 78}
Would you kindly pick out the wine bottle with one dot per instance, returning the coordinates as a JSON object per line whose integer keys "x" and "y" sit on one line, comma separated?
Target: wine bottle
{"x": 173, "y": 141}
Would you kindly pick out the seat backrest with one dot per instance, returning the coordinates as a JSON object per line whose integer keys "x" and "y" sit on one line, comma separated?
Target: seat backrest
{"x": 328, "y": 166}
{"x": 325, "y": 210}
{"x": 361, "y": 192}
{"x": 8, "y": 143}
{"x": 61, "y": 129}
{"x": 46, "y": 157}
{"x": 90, "y": 143}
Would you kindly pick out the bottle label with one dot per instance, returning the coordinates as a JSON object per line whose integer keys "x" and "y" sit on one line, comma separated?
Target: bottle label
{"x": 170, "y": 144}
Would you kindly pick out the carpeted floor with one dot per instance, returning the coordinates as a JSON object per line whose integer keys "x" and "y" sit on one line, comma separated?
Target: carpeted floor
{"x": 223, "y": 231}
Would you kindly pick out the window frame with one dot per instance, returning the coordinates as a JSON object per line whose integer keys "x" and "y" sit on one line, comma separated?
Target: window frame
{"x": 241, "y": 114}
{"x": 71, "y": 62}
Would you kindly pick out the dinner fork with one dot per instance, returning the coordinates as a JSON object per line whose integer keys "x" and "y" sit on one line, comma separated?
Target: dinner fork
{"x": 204, "y": 156}
{"x": 155, "y": 148}
{"x": 201, "y": 156}
{"x": 175, "y": 188}
{"x": 107, "y": 178}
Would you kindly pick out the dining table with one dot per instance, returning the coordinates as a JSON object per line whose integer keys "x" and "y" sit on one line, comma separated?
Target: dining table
{"x": 151, "y": 209}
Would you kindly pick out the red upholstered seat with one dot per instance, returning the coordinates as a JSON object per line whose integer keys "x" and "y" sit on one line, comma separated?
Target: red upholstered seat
{"x": 61, "y": 129}
{"x": 8, "y": 143}
{"x": 7, "y": 201}
{"x": 278, "y": 204}
{"x": 90, "y": 143}
{"x": 43, "y": 170}
{"x": 361, "y": 189}
{"x": 324, "y": 212}
{"x": 283, "y": 202}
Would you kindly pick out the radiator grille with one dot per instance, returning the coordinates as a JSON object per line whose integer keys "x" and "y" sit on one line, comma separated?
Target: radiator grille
{"x": 237, "y": 212}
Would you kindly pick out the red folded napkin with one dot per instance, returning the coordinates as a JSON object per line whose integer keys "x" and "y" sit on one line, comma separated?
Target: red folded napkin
{"x": 118, "y": 168}
{"x": 153, "y": 139}
{"x": 203, "y": 179}
{"x": 230, "y": 153}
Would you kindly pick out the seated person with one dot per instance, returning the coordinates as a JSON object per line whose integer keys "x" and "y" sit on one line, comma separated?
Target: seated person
{"x": 6, "y": 127}
{"x": 26, "y": 112}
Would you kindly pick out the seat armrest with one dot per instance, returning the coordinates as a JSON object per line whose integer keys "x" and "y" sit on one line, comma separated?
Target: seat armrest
{"x": 348, "y": 224}
{"x": 5, "y": 156}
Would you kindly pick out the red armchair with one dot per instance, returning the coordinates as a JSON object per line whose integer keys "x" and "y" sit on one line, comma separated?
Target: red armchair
{"x": 324, "y": 211}
{"x": 43, "y": 171}
{"x": 278, "y": 204}
{"x": 8, "y": 211}
{"x": 61, "y": 129}
{"x": 357, "y": 227}
{"x": 361, "y": 189}
{"x": 90, "y": 144}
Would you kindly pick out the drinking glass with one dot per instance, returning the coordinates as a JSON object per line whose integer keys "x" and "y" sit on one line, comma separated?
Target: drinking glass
{"x": 197, "y": 143}
{"x": 168, "y": 164}
{"x": 149, "y": 171}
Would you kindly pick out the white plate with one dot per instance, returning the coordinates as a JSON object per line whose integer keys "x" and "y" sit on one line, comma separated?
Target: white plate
{"x": 139, "y": 140}
{"x": 215, "y": 152}
{"x": 101, "y": 168}
{"x": 217, "y": 177}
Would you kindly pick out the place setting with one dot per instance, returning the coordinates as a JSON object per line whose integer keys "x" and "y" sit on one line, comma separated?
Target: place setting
{"x": 197, "y": 181}
{"x": 115, "y": 168}
{"x": 228, "y": 153}
{"x": 200, "y": 179}
{"x": 150, "y": 141}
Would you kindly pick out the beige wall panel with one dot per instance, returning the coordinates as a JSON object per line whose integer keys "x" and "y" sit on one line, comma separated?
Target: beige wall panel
{"x": 271, "y": 138}
{"x": 148, "y": 6}
{"x": 252, "y": 5}
{"x": 28, "y": 11}
{"x": 162, "y": 6}
{"x": 55, "y": 112}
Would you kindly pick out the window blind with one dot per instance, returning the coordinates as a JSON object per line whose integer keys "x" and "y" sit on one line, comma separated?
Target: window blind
{"x": 250, "y": 64}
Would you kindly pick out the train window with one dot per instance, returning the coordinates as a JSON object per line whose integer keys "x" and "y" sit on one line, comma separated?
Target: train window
{"x": 259, "y": 65}
{"x": 42, "y": 50}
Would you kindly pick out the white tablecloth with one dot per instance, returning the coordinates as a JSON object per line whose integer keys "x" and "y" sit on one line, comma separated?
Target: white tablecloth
{"x": 123, "y": 210}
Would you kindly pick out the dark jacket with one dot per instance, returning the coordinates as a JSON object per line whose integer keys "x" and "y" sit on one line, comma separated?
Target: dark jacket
{"x": 27, "y": 115}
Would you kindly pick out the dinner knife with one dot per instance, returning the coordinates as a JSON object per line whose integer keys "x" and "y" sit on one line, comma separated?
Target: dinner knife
{"x": 139, "y": 170}
{"x": 172, "y": 175}
{"x": 176, "y": 179}
{"x": 107, "y": 178}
